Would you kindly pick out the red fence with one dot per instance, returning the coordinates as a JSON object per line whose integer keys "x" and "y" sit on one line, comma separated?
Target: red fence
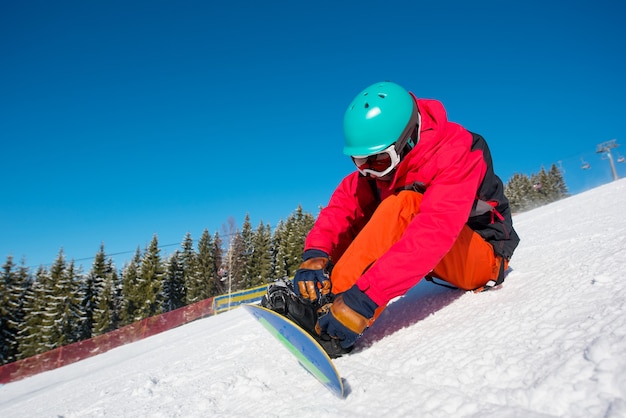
{"x": 81, "y": 350}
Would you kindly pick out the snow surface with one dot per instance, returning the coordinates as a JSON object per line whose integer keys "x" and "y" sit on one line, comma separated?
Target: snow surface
{"x": 551, "y": 342}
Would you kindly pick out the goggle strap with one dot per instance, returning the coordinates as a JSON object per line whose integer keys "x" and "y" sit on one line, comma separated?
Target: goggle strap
{"x": 407, "y": 135}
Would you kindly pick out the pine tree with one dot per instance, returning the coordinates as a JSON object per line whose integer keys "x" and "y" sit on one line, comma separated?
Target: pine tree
{"x": 118, "y": 301}
{"x": 528, "y": 192}
{"x": 244, "y": 259}
{"x": 131, "y": 299}
{"x": 50, "y": 333}
{"x": 520, "y": 193}
{"x": 558, "y": 183}
{"x": 217, "y": 286}
{"x": 13, "y": 286}
{"x": 236, "y": 265}
{"x": 62, "y": 313}
{"x": 22, "y": 287}
{"x": 203, "y": 272}
{"x": 30, "y": 336}
{"x": 279, "y": 256}
{"x": 173, "y": 292}
{"x": 149, "y": 281}
{"x": 92, "y": 287}
{"x": 542, "y": 188}
{"x": 8, "y": 340}
{"x": 73, "y": 312}
{"x": 189, "y": 266}
{"x": 191, "y": 270}
{"x": 261, "y": 257}
{"x": 305, "y": 224}
{"x": 107, "y": 313}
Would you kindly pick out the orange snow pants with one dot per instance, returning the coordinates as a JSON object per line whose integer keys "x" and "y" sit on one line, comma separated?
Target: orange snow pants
{"x": 468, "y": 265}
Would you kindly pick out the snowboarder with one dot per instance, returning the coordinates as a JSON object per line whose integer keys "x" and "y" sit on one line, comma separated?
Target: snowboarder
{"x": 424, "y": 201}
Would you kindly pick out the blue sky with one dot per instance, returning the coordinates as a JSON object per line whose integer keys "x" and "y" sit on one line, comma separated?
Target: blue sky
{"x": 124, "y": 119}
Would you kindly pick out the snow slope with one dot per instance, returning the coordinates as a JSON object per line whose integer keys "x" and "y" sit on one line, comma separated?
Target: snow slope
{"x": 551, "y": 342}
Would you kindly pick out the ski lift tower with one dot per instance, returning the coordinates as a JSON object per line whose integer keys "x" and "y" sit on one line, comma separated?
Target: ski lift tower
{"x": 605, "y": 148}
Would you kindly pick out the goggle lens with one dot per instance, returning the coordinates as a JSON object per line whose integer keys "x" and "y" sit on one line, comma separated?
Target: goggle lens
{"x": 377, "y": 165}
{"x": 377, "y": 162}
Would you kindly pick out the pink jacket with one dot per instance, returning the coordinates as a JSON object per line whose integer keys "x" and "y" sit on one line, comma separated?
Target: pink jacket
{"x": 452, "y": 170}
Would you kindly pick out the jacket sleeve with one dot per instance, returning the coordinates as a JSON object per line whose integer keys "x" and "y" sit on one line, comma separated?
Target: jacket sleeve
{"x": 444, "y": 210}
{"x": 350, "y": 207}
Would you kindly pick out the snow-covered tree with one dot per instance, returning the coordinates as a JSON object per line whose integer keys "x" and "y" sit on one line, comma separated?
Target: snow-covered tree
{"x": 149, "y": 281}
{"x": 107, "y": 313}
{"x": 91, "y": 289}
{"x": 131, "y": 299}
{"x": 62, "y": 313}
{"x": 173, "y": 289}
{"x": 261, "y": 257}
{"x": 30, "y": 336}
{"x": 14, "y": 283}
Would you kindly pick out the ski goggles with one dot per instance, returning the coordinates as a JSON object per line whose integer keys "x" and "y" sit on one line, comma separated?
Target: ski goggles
{"x": 378, "y": 165}
{"x": 383, "y": 163}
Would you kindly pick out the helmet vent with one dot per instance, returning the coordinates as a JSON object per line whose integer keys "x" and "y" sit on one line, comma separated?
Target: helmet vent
{"x": 382, "y": 95}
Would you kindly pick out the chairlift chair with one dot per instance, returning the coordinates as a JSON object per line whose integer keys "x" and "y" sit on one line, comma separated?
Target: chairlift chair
{"x": 585, "y": 165}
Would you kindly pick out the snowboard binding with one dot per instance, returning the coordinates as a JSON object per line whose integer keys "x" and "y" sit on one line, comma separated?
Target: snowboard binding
{"x": 282, "y": 299}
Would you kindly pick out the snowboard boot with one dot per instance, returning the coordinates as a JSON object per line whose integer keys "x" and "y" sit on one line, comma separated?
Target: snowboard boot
{"x": 281, "y": 298}
{"x": 306, "y": 314}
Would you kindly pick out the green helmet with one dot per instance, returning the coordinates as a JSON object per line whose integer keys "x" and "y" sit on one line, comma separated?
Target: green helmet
{"x": 377, "y": 118}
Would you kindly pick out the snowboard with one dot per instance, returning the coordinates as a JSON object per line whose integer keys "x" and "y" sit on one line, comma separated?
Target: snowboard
{"x": 306, "y": 350}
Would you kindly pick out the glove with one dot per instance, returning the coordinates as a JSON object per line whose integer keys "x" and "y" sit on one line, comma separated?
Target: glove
{"x": 347, "y": 317}
{"x": 310, "y": 280}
